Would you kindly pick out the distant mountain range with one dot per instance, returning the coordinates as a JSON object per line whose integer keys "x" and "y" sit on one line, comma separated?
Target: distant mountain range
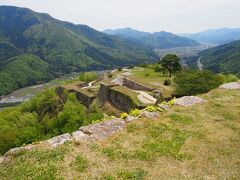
{"x": 36, "y": 47}
{"x": 157, "y": 40}
{"x": 216, "y": 36}
{"x": 224, "y": 58}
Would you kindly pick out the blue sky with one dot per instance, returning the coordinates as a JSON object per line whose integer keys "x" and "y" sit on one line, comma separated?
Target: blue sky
{"x": 178, "y": 16}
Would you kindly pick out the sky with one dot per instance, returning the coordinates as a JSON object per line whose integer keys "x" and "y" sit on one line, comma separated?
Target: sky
{"x": 177, "y": 16}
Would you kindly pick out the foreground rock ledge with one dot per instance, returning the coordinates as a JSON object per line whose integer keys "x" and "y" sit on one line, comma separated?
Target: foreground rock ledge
{"x": 187, "y": 101}
{"x": 231, "y": 85}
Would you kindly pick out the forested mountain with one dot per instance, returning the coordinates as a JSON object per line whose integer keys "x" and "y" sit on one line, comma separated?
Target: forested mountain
{"x": 216, "y": 36}
{"x": 224, "y": 58}
{"x": 157, "y": 40}
{"x": 35, "y": 47}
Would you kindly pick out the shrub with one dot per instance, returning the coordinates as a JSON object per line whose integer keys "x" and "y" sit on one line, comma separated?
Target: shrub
{"x": 119, "y": 69}
{"x": 124, "y": 115}
{"x": 151, "y": 109}
{"x": 130, "y": 67}
{"x": 88, "y": 76}
{"x": 192, "y": 82}
{"x": 167, "y": 82}
{"x": 228, "y": 78}
{"x": 146, "y": 74}
{"x": 110, "y": 76}
{"x": 135, "y": 112}
{"x": 158, "y": 68}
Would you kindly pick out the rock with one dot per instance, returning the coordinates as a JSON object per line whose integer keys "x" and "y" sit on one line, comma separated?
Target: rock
{"x": 231, "y": 85}
{"x": 145, "y": 98}
{"x": 80, "y": 136}
{"x": 186, "y": 101}
{"x": 118, "y": 80}
{"x": 158, "y": 95}
{"x": 102, "y": 130}
{"x": 55, "y": 141}
{"x": 18, "y": 149}
{"x": 147, "y": 114}
{"x": 130, "y": 118}
{"x": 1, "y": 160}
{"x": 164, "y": 106}
{"x": 135, "y": 85}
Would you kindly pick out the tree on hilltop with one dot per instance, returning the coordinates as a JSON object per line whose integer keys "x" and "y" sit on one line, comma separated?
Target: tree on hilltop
{"x": 171, "y": 63}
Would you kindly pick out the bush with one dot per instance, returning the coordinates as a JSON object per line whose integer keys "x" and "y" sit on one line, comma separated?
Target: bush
{"x": 167, "y": 82}
{"x": 88, "y": 76}
{"x": 124, "y": 115}
{"x": 192, "y": 82}
{"x": 228, "y": 77}
{"x": 135, "y": 112}
{"x": 119, "y": 69}
{"x": 158, "y": 68}
{"x": 146, "y": 74}
{"x": 130, "y": 67}
{"x": 152, "y": 109}
{"x": 44, "y": 116}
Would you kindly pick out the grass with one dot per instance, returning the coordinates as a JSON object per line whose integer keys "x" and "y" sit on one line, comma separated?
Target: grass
{"x": 199, "y": 142}
{"x": 80, "y": 164}
{"x": 150, "y": 78}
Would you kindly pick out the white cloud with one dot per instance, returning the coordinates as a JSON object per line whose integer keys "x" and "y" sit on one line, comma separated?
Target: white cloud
{"x": 148, "y": 15}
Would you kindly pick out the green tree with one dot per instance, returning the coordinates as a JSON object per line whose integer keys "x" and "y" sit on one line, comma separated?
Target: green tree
{"x": 171, "y": 63}
{"x": 192, "y": 82}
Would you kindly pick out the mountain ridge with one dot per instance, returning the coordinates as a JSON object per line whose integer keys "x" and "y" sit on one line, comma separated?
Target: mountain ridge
{"x": 64, "y": 46}
{"x": 156, "y": 40}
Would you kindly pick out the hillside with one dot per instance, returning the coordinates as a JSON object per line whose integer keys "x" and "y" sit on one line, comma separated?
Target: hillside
{"x": 197, "y": 142}
{"x": 157, "y": 40}
{"x": 224, "y": 58}
{"x": 216, "y": 36}
{"x": 62, "y": 46}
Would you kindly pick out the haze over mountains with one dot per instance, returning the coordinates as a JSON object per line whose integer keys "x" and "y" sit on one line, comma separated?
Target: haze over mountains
{"x": 216, "y": 36}
{"x": 156, "y": 40}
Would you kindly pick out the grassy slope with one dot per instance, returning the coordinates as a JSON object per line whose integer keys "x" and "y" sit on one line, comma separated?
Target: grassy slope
{"x": 153, "y": 79}
{"x": 191, "y": 143}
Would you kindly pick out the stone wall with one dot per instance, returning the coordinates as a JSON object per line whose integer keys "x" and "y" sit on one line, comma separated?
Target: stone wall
{"x": 136, "y": 86}
{"x": 117, "y": 99}
{"x": 82, "y": 98}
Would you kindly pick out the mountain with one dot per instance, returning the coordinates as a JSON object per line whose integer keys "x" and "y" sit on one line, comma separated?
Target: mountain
{"x": 157, "y": 40}
{"x": 224, "y": 58}
{"x": 216, "y": 36}
{"x": 29, "y": 40}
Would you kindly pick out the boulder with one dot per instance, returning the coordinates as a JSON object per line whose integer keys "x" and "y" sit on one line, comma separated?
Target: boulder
{"x": 130, "y": 118}
{"x": 102, "y": 130}
{"x": 2, "y": 160}
{"x": 186, "y": 101}
{"x": 80, "y": 136}
{"x": 55, "y": 141}
{"x": 16, "y": 150}
{"x": 231, "y": 85}
{"x": 165, "y": 107}
{"x": 147, "y": 114}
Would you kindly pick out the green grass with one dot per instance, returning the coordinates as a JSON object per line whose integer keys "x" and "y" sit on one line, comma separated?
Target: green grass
{"x": 80, "y": 164}
{"x": 181, "y": 118}
{"x": 153, "y": 79}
